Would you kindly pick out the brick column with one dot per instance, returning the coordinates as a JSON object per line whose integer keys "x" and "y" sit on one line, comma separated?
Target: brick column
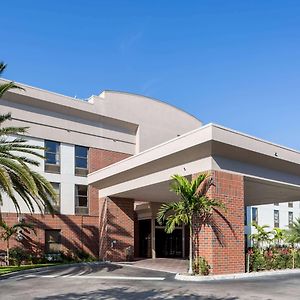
{"x": 98, "y": 159}
{"x": 116, "y": 228}
{"x": 222, "y": 244}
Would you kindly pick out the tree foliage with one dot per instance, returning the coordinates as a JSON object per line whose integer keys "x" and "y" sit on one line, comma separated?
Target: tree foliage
{"x": 18, "y": 180}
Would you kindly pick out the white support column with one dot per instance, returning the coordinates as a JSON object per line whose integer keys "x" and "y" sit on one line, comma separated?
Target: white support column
{"x": 153, "y": 238}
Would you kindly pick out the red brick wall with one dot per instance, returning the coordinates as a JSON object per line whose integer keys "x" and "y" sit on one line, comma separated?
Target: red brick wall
{"x": 116, "y": 224}
{"x": 78, "y": 232}
{"x": 98, "y": 159}
{"x": 223, "y": 243}
{"x": 115, "y": 215}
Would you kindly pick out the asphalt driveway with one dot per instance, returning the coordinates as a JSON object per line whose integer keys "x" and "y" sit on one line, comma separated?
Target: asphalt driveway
{"x": 110, "y": 281}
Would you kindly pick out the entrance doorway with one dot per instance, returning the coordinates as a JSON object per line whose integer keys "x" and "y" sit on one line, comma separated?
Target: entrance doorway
{"x": 145, "y": 238}
{"x": 168, "y": 244}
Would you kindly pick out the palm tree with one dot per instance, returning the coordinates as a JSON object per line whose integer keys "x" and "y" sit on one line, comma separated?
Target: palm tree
{"x": 17, "y": 179}
{"x": 292, "y": 236}
{"x": 293, "y": 233}
{"x": 193, "y": 205}
{"x": 6, "y": 86}
{"x": 278, "y": 236}
{"x": 261, "y": 236}
{"x": 9, "y": 231}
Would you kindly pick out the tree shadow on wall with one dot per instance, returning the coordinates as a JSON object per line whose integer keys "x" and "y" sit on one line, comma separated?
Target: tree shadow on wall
{"x": 79, "y": 237}
{"x": 120, "y": 238}
{"x": 126, "y": 293}
{"x": 217, "y": 221}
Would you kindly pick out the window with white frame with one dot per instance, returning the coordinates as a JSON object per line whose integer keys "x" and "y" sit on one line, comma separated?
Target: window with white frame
{"x": 81, "y": 199}
{"x": 254, "y": 213}
{"x": 81, "y": 160}
{"x": 276, "y": 218}
{"x": 291, "y": 218}
{"x": 52, "y": 156}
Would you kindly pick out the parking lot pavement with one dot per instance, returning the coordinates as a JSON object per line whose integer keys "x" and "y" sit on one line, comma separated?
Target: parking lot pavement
{"x": 99, "y": 281}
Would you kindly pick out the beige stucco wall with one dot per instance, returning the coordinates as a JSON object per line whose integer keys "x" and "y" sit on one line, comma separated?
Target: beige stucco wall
{"x": 113, "y": 120}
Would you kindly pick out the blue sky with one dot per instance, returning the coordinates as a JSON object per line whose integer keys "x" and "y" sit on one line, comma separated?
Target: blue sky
{"x": 235, "y": 63}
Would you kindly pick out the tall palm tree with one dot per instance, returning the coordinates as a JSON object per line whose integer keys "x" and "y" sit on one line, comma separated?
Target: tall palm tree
{"x": 17, "y": 180}
{"x": 9, "y": 85}
{"x": 9, "y": 231}
{"x": 262, "y": 236}
{"x": 193, "y": 205}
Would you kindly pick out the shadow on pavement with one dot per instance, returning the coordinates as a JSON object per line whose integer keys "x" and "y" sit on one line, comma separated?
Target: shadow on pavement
{"x": 124, "y": 293}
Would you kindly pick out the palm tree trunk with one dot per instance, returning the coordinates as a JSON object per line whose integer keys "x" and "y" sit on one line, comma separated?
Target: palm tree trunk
{"x": 191, "y": 251}
{"x": 7, "y": 252}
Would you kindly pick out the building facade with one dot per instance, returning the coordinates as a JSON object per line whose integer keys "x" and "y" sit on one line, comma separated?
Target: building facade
{"x": 111, "y": 158}
{"x": 277, "y": 215}
{"x": 81, "y": 137}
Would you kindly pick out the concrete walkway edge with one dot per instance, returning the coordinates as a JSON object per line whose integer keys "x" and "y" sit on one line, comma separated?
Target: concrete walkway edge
{"x": 200, "y": 278}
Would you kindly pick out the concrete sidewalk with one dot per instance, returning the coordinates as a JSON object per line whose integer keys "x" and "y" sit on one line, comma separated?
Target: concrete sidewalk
{"x": 169, "y": 265}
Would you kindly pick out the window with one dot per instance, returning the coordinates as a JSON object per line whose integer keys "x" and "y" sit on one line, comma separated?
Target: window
{"x": 254, "y": 215}
{"x": 81, "y": 200}
{"x": 276, "y": 218}
{"x": 291, "y": 218}
{"x": 290, "y": 204}
{"x": 52, "y": 240}
{"x": 56, "y": 203}
{"x": 52, "y": 155}
{"x": 245, "y": 216}
{"x": 81, "y": 160}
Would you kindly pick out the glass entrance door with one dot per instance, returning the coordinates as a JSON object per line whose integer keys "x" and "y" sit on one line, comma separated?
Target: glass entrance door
{"x": 145, "y": 238}
{"x": 168, "y": 245}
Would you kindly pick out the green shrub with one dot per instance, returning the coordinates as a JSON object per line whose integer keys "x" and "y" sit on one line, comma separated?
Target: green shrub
{"x": 18, "y": 255}
{"x": 273, "y": 258}
{"x": 201, "y": 266}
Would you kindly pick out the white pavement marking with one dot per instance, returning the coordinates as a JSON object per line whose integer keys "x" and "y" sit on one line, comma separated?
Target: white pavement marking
{"x": 98, "y": 277}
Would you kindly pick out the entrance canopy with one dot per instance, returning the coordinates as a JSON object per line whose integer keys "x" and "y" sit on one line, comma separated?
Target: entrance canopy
{"x": 271, "y": 172}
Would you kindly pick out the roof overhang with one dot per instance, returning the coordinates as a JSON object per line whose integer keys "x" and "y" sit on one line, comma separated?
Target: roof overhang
{"x": 146, "y": 176}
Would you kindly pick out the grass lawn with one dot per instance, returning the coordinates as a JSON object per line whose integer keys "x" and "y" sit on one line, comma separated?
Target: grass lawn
{"x": 9, "y": 269}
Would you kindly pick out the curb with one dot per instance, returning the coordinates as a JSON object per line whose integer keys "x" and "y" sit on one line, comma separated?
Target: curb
{"x": 208, "y": 278}
{"x": 36, "y": 270}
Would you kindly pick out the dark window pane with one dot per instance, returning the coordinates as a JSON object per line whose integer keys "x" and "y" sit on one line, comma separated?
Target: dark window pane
{"x": 82, "y": 201}
{"x": 52, "y": 152}
{"x": 51, "y": 146}
{"x": 291, "y": 218}
{"x": 276, "y": 218}
{"x": 51, "y": 158}
{"x": 52, "y": 241}
{"x": 254, "y": 215}
{"x": 81, "y": 151}
{"x": 81, "y": 198}
{"x": 81, "y": 190}
{"x": 81, "y": 162}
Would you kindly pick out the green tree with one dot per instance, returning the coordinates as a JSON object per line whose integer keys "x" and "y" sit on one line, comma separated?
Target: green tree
{"x": 278, "y": 236}
{"x": 194, "y": 204}
{"x": 13, "y": 231}
{"x": 292, "y": 235}
{"x": 262, "y": 236}
{"x": 17, "y": 180}
{"x": 6, "y": 86}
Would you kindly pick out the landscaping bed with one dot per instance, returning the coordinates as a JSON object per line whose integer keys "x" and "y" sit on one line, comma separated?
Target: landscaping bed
{"x": 9, "y": 269}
